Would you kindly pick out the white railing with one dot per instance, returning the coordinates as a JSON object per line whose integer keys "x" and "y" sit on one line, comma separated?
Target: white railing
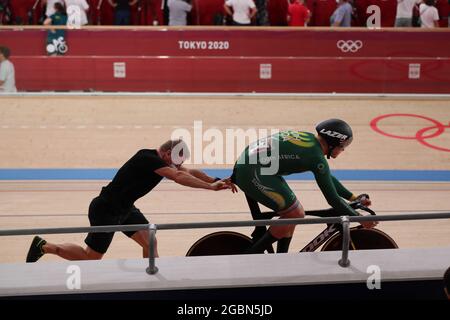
{"x": 152, "y": 228}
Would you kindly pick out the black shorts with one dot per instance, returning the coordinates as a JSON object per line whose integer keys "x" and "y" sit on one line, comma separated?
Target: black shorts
{"x": 101, "y": 213}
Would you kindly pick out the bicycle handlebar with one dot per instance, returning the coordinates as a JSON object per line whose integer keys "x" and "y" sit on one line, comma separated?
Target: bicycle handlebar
{"x": 358, "y": 205}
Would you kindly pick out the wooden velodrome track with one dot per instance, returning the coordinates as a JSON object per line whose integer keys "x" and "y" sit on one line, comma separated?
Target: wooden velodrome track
{"x": 103, "y": 132}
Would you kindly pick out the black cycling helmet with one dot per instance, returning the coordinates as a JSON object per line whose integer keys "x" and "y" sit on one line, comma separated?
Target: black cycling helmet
{"x": 336, "y": 133}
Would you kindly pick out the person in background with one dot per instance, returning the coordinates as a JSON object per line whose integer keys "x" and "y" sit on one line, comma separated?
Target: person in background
{"x": 342, "y": 16}
{"x": 5, "y": 12}
{"x": 405, "y": 12}
{"x": 242, "y": 11}
{"x": 20, "y": 11}
{"x": 429, "y": 16}
{"x": 7, "y": 73}
{"x": 56, "y": 44}
{"x": 262, "y": 17}
{"x": 178, "y": 10}
{"x": 298, "y": 14}
{"x": 50, "y": 6}
{"x": 72, "y": 7}
{"x": 122, "y": 11}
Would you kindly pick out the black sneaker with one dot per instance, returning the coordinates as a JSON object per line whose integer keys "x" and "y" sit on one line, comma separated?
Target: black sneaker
{"x": 35, "y": 252}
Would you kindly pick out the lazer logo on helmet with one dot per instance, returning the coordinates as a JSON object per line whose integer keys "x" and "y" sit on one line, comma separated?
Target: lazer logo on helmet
{"x": 334, "y": 134}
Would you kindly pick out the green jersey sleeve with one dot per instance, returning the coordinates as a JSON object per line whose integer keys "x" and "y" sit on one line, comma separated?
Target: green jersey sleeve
{"x": 326, "y": 184}
{"x": 341, "y": 190}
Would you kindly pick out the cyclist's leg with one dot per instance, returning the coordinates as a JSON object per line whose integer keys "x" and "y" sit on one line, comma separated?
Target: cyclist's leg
{"x": 256, "y": 215}
{"x": 274, "y": 193}
{"x": 285, "y": 233}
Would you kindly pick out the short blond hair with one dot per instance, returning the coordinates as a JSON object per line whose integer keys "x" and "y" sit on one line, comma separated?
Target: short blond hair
{"x": 178, "y": 148}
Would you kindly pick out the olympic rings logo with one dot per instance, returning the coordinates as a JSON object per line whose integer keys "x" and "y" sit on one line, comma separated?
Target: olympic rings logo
{"x": 420, "y": 135}
{"x": 349, "y": 45}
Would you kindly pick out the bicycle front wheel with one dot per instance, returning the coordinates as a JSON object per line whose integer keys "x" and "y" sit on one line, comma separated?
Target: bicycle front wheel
{"x": 220, "y": 243}
{"x": 362, "y": 239}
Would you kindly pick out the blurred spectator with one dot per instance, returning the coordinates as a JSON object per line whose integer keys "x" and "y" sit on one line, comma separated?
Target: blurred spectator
{"x": 94, "y": 13}
{"x": 36, "y": 14}
{"x": 56, "y": 42}
{"x": 323, "y": 11}
{"x": 178, "y": 10}
{"x": 75, "y": 6}
{"x": 242, "y": 11}
{"x": 122, "y": 12}
{"x": 298, "y": 14}
{"x": 447, "y": 283}
{"x": 429, "y": 17}
{"x": 21, "y": 11}
{"x": 7, "y": 75}
{"x": 405, "y": 12}
{"x": 261, "y": 13}
{"x": 342, "y": 16}
{"x": 50, "y": 6}
{"x": 5, "y": 12}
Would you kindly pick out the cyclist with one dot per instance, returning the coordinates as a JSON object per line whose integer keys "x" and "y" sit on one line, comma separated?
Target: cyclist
{"x": 259, "y": 170}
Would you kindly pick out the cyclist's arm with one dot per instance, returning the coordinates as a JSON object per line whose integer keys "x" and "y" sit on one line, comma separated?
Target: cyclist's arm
{"x": 326, "y": 185}
{"x": 341, "y": 190}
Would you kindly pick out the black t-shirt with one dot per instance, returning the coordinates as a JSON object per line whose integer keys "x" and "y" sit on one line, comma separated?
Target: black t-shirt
{"x": 134, "y": 179}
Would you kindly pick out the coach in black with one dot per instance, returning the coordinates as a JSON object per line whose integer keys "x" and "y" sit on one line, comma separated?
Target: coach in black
{"x": 115, "y": 204}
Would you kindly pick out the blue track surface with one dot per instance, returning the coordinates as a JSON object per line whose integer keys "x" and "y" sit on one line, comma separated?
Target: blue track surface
{"x": 107, "y": 174}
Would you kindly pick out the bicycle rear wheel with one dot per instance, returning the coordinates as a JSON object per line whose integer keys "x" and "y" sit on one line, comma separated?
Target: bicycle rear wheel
{"x": 362, "y": 239}
{"x": 220, "y": 243}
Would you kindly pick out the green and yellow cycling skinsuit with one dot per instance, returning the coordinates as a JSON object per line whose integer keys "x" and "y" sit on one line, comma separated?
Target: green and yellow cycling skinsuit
{"x": 296, "y": 152}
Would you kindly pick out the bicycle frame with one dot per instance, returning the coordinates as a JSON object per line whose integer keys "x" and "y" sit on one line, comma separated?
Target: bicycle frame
{"x": 228, "y": 242}
{"x": 320, "y": 239}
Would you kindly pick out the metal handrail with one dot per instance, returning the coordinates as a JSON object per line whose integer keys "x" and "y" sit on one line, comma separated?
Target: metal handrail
{"x": 222, "y": 224}
{"x": 152, "y": 269}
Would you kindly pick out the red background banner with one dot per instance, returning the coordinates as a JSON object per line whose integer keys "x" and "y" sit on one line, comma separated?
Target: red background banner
{"x": 229, "y": 60}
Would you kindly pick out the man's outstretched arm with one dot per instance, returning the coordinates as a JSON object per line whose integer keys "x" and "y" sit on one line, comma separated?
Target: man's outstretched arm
{"x": 186, "y": 179}
{"x": 199, "y": 174}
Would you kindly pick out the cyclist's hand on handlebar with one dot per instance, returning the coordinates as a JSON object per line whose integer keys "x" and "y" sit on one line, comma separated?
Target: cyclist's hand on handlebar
{"x": 364, "y": 199}
{"x": 369, "y": 224}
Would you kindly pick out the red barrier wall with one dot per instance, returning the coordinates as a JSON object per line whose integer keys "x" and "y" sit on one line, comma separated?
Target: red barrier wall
{"x": 229, "y": 60}
{"x": 279, "y": 42}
